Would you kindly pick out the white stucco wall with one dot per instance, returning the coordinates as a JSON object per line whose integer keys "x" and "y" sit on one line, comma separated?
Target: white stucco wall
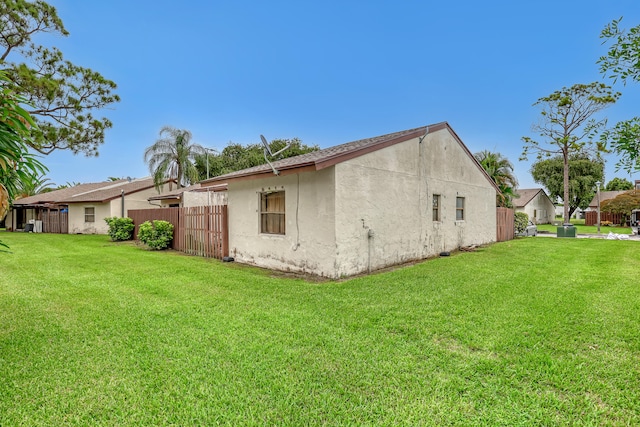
{"x": 77, "y": 224}
{"x": 540, "y": 209}
{"x": 203, "y": 198}
{"x": 137, "y": 200}
{"x": 388, "y": 191}
{"x": 308, "y": 244}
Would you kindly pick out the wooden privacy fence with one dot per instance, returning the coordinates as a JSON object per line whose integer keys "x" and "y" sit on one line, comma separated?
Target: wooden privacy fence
{"x": 203, "y": 231}
{"x": 591, "y": 217}
{"x": 505, "y": 226}
{"x": 139, "y": 216}
{"x": 54, "y": 220}
{"x": 199, "y": 230}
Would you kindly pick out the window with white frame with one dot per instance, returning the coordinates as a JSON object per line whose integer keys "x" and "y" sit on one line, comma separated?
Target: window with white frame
{"x": 436, "y": 207}
{"x": 272, "y": 212}
{"x": 459, "y": 208}
{"x": 89, "y": 214}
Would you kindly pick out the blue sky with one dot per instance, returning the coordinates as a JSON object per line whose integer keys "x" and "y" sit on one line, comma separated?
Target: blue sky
{"x": 331, "y": 72}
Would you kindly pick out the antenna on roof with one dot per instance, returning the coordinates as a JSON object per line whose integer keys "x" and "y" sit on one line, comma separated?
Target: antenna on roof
{"x": 267, "y": 150}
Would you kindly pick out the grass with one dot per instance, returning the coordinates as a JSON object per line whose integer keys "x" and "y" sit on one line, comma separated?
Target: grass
{"x": 586, "y": 229}
{"x": 527, "y": 332}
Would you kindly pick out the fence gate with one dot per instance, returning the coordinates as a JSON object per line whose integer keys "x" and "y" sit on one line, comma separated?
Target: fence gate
{"x": 203, "y": 231}
{"x": 505, "y": 227}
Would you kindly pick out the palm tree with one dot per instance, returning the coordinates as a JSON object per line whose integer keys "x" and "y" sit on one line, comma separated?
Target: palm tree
{"x": 172, "y": 158}
{"x": 32, "y": 185}
{"x": 500, "y": 169}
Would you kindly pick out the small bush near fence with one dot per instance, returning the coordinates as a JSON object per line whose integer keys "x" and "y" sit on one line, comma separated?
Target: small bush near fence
{"x": 156, "y": 235}
{"x": 520, "y": 221}
{"x": 120, "y": 228}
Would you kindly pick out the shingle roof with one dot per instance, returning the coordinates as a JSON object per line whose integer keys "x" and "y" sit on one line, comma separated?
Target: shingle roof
{"x": 97, "y": 192}
{"x": 605, "y": 195}
{"x": 526, "y": 195}
{"x": 321, "y": 159}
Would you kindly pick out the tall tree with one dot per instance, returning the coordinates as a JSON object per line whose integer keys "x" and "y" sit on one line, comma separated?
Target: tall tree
{"x": 584, "y": 172}
{"x": 171, "y": 158}
{"x": 619, "y": 184}
{"x": 500, "y": 169}
{"x": 621, "y": 63}
{"x": 237, "y": 156}
{"x": 62, "y": 96}
{"x": 567, "y": 126}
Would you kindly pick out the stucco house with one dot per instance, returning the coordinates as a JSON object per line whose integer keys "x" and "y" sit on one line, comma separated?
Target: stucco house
{"x": 362, "y": 205}
{"x": 536, "y": 204}
{"x": 81, "y": 209}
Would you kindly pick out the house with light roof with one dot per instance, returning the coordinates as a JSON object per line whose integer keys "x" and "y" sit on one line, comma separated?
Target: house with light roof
{"x": 81, "y": 209}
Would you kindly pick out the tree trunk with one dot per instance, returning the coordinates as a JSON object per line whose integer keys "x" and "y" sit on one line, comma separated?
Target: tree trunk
{"x": 565, "y": 196}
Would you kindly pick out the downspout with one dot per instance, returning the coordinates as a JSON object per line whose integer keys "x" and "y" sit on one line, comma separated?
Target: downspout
{"x": 122, "y": 203}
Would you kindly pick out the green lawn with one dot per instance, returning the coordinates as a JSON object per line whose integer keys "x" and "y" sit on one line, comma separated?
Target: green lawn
{"x": 586, "y": 229}
{"x": 527, "y": 332}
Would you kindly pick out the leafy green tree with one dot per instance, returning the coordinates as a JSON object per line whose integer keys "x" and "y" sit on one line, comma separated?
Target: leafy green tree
{"x": 500, "y": 169}
{"x": 584, "y": 172}
{"x": 62, "y": 96}
{"x": 237, "y": 156}
{"x": 619, "y": 184}
{"x": 622, "y": 204}
{"x": 567, "y": 126}
{"x": 171, "y": 158}
{"x": 621, "y": 63}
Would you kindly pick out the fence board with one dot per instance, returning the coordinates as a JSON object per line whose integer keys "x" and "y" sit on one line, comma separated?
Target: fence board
{"x": 54, "y": 221}
{"x": 591, "y": 217}
{"x": 139, "y": 216}
{"x": 505, "y": 224}
{"x": 199, "y": 230}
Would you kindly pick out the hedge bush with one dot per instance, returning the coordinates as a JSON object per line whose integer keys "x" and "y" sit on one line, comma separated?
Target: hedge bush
{"x": 120, "y": 228}
{"x": 156, "y": 235}
{"x": 520, "y": 222}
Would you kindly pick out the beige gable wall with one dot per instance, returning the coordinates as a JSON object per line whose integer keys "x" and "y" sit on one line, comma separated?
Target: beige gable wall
{"x": 309, "y": 241}
{"x": 204, "y": 198}
{"x": 540, "y": 209}
{"x": 77, "y": 224}
{"x": 390, "y": 192}
{"x": 137, "y": 200}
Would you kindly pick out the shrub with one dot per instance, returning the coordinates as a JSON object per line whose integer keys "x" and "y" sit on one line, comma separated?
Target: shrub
{"x": 520, "y": 222}
{"x": 120, "y": 228}
{"x": 156, "y": 235}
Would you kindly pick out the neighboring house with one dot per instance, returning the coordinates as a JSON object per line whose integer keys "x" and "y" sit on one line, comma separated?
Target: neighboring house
{"x": 81, "y": 209}
{"x": 536, "y": 204}
{"x": 361, "y": 206}
{"x": 194, "y": 195}
{"x": 604, "y": 195}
